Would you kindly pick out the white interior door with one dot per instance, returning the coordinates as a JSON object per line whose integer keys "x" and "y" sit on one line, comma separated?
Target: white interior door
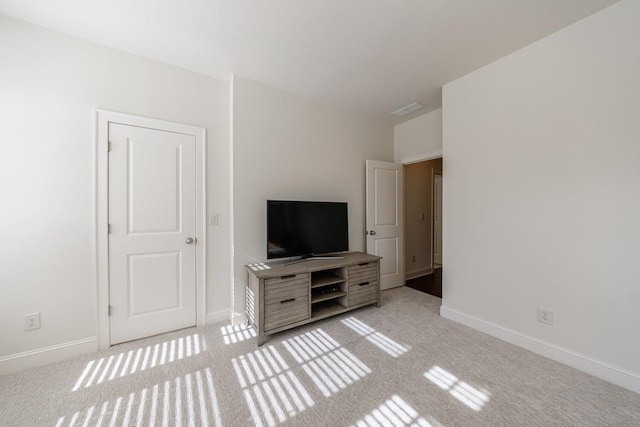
{"x": 152, "y": 238}
{"x": 437, "y": 220}
{"x": 385, "y": 220}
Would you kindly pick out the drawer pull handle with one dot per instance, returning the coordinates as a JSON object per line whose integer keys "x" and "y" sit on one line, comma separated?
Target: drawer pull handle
{"x": 364, "y": 263}
{"x": 287, "y": 300}
{"x": 363, "y": 284}
{"x": 288, "y": 277}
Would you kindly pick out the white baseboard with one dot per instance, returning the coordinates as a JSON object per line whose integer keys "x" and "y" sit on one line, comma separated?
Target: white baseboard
{"x": 239, "y": 318}
{"x": 45, "y": 355}
{"x": 606, "y": 371}
{"x": 218, "y": 316}
{"x": 418, "y": 273}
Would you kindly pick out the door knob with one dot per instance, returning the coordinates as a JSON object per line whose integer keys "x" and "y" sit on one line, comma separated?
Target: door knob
{"x": 372, "y": 232}
{"x": 190, "y": 240}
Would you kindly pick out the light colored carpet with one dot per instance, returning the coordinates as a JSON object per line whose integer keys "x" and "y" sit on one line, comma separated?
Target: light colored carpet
{"x": 397, "y": 365}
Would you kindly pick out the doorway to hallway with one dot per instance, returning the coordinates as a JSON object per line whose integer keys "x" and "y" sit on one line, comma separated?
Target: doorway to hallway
{"x": 423, "y": 226}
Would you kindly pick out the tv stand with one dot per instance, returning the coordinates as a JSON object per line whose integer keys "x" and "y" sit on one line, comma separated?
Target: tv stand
{"x": 281, "y": 296}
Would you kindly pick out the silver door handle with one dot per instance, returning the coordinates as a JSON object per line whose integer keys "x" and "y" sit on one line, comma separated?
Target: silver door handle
{"x": 189, "y": 240}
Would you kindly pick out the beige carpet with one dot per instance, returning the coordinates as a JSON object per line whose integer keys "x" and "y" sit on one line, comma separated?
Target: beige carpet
{"x": 397, "y": 365}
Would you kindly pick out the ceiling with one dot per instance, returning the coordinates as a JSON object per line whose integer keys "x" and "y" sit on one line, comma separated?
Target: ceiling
{"x": 372, "y": 56}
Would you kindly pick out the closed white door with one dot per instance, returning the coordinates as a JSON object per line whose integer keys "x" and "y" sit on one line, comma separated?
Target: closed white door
{"x": 385, "y": 220}
{"x": 437, "y": 220}
{"x": 152, "y": 221}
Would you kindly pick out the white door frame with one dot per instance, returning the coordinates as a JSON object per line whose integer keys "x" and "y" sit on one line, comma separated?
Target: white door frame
{"x": 102, "y": 120}
{"x": 433, "y": 220}
{"x": 423, "y": 157}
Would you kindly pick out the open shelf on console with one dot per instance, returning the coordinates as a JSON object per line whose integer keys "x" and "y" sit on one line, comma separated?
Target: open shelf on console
{"x": 323, "y": 278}
{"x": 316, "y": 298}
{"x": 326, "y": 309}
{"x": 330, "y": 284}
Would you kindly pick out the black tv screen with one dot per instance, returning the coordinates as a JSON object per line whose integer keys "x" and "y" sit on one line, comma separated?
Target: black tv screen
{"x": 296, "y": 228}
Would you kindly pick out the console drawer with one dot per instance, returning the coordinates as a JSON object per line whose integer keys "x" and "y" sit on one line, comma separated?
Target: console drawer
{"x": 286, "y": 287}
{"x": 363, "y": 273}
{"x": 286, "y": 311}
{"x": 363, "y": 293}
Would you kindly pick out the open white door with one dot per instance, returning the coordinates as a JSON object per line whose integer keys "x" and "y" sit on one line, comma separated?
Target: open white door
{"x": 385, "y": 220}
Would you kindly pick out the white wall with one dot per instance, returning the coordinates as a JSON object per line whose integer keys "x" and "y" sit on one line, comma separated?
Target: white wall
{"x": 50, "y": 85}
{"x": 542, "y": 195}
{"x": 418, "y": 138}
{"x": 286, "y": 147}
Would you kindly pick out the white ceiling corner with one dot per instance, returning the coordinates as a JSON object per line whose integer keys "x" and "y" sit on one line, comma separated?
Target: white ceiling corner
{"x": 372, "y": 56}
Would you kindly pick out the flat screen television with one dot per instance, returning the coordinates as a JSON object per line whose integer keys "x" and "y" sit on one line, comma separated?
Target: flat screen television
{"x": 297, "y": 228}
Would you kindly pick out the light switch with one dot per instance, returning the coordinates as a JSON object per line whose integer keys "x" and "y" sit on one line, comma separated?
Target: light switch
{"x": 213, "y": 219}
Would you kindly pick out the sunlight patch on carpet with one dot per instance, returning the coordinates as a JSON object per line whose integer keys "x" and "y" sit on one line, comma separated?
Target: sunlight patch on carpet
{"x": 273, "y": 393}
{"x": 238, "y": 333}
{"x": 465, "y": 393}
{"x": 384, "y": 343}
{"x": 187, "y": 400}
{"x": 330, "y": 366}
{"x": 127, "y": 363}
{"x": 397, "y": 413}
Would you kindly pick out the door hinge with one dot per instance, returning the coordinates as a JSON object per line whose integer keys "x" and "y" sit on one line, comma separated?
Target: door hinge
{"x": 108, "y": 228}
{"x": 109, "y": 310}
{"x": 108, "y": 146}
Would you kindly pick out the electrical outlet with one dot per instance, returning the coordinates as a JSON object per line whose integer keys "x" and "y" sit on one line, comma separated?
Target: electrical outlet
{"x": 31, "y": 321}
{"x": 545, "y": 316}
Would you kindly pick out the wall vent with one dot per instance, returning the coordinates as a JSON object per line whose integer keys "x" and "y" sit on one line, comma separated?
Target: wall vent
{"x": 408, "y": 109}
